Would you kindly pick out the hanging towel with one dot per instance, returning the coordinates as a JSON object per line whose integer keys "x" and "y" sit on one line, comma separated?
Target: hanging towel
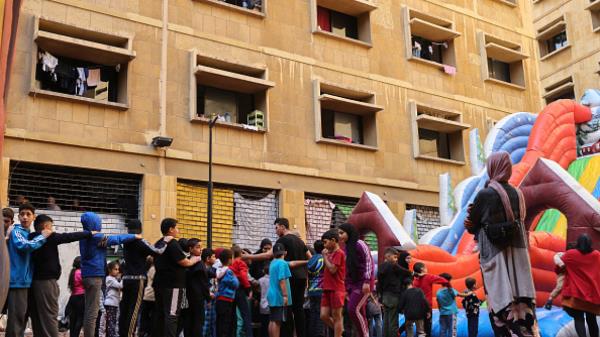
{"x": 80, "y": 88}
{"x": 93, "y": 78}
{"x": 450, "y": 70}
{"x": 49, "y": 62}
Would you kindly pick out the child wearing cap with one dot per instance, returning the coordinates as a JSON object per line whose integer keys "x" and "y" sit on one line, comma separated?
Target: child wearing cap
{"x": 279, "y": 292}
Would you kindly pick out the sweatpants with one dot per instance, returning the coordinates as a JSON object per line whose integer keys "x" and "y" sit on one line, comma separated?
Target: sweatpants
{"x": 17, "y": 312}
{"x": 168, "y": 311}
{"x": 44, "y": 309}
{"x": 147, "y": 314}
{"x": 130, "y": 306}
{"x": 298, "y": 287}
{"x": 226, "y": 322}
{"x": 194, "y": 320}
{"x": 93, "y": 288}
{"x": 357, "y": 310}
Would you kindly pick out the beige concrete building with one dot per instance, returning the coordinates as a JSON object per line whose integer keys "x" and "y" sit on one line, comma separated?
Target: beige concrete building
{"x": 568, "y": 34}
{"x": 318, "y": 101}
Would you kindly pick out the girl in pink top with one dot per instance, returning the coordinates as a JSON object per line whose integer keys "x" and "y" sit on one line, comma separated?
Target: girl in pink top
{"x": 75, "y": 307}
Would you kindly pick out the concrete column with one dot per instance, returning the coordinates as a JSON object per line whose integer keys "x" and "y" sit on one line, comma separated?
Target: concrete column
{"x": 291, "y": 206}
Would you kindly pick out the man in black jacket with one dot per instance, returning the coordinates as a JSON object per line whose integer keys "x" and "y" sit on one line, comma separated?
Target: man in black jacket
{"x": 47, "y": 270}
{"x": 134, "y": 278}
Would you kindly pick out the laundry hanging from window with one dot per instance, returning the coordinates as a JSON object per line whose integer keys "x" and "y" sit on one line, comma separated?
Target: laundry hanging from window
{"x": 79, "y": 78}
{"x": 428, "y": 50}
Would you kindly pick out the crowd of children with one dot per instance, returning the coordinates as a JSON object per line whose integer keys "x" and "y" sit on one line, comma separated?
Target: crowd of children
{"x": 177, "y": 286}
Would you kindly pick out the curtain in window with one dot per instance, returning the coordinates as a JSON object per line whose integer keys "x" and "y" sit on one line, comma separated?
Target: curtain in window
{"x": 323, "y": 19}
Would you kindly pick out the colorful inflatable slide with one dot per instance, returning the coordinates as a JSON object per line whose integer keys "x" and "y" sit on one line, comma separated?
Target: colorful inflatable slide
{"x": 556, "y": 158}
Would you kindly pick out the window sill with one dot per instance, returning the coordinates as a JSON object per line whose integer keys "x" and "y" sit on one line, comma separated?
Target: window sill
{"x": 596, "y": 30}
{"x": 594, "y": 6}
{"x": 510, "y": 85}
{"x": 508, "y": 3}
{"x": 244, "y": 127}
{"x": 549, "y": 55}
{"x": 434, "y": 64}
{"x": 342, "y": 143}
{"x": 443, "y": 160}
{"x": 343, "y": 38}
{"x": 238, "y": 9}
{"x": 51, "y": 94}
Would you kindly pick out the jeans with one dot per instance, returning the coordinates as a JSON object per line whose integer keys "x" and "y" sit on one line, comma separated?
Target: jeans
{"x": 473, "y": 324}
{"x": 241, "y": 302}
{"x": 447, "y": 325}
{"x": 375, "y": 324}
{"x": 390, "y": 303}
{"x": 316, "y": 327}
{"x": 93, "y": 288}
{"x": 297, "y": 286}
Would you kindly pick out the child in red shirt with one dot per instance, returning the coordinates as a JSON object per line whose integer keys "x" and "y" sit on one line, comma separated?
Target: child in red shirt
{"x": 425, "y": 282}
{"x": 240, "y": 270}
{"x": 332, "y": 300}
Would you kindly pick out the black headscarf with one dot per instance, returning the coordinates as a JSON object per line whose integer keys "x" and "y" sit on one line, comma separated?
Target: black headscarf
{"x": 402, "y": 259}
{"x": 256, "y": 268}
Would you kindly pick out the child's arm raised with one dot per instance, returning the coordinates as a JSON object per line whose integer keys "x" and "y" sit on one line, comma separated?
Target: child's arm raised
{"x": 298, "y": 263}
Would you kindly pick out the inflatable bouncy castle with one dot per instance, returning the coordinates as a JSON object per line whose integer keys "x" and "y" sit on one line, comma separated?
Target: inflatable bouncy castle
{"x": 556, "y": 163}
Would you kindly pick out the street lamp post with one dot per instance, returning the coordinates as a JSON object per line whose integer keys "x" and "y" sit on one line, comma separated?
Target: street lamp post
{"x": 211, "y": 125}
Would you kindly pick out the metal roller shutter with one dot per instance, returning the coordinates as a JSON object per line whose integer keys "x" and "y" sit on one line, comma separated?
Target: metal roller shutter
{"x": 191, "y": 212}
{"x": 428, "y": 218}
{"x": 255, "y": 212}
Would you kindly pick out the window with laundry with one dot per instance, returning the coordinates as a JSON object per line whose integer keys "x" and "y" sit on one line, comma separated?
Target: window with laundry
{"x": 430, "y": 40}
{"x": 249, "y": 5}
{"x": 552, "y": 37}
{"x": 345, "y": 116}
{"x": 505, "y": 61}
{"x": 234, "y": 93}
{"x": 79, "y": 64}
{"x": 349, "y": 19}
{"x": 438, "y": 133}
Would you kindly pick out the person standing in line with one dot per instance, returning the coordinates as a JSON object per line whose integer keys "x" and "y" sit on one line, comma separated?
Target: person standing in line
{"x": 135, "y": 254}
{"x": 170, "y": 281}
{"x": 581, "y": 288}
{"x": 209, "y": 259}
{"x": 240, "y": 270}
{"x": 114, "y": 285}
{"x": 264, "y": 283}
{"x": 334, "y": 289}
{"x": 93, "y": 266}
{"x": 296, "y": 251}
{"x": 316, "y": 327}
{"x": 446, "y": 298}
{"x": 46, "y": 272}
{"x": 425, "y": 282}
{"x": 360, "y": 278}
{"x": 20, "y": 249}
{"x": 148, "y": 304}
{"x": 198, "y": 291}
{"x": 76, "y": 302}
{"x": 228, "y": 285}
{"x": 415, "y": 307}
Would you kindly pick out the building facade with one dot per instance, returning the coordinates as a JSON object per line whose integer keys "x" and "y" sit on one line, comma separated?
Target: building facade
{"x": 316, "y": 101}
{"x": 568, "y": 34}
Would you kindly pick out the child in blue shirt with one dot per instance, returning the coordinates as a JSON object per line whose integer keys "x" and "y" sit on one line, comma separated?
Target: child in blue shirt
{"x": 279, "y": 289}
{"x": 448, "y": 309}
{"x": 316, "y": 327}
